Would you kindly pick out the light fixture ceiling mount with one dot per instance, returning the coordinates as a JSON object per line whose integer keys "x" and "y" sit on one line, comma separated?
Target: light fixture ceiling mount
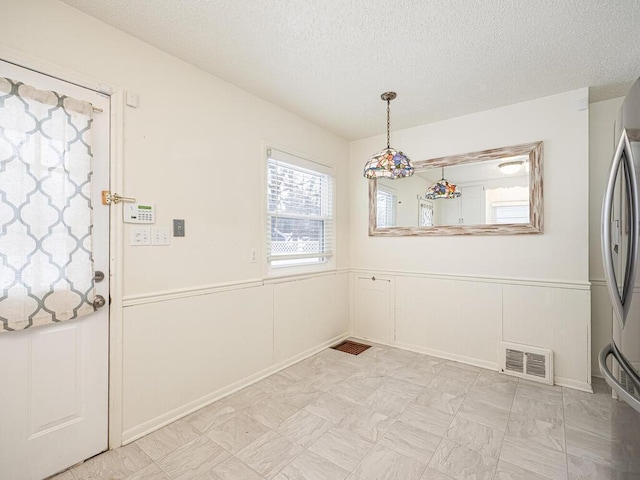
{"x": 509, "y": 168}
{"x": 388, "y": 163}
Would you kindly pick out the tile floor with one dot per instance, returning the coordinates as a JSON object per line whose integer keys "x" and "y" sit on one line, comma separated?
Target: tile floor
{"x": 387, "y": 414}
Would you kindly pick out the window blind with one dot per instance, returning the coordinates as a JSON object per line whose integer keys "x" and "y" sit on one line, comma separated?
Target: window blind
{"x": 386, "y": 209}
{"x": 299, "y": 211}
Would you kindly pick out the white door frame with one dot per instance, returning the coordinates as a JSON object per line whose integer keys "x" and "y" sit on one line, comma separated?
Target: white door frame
{"x": 116, "y": 241}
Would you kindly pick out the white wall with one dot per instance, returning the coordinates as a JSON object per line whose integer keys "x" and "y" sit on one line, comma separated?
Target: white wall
{"x": 602, "y": 116}
{"x": 194, "y": 148}
{"x": 459, "y": 296}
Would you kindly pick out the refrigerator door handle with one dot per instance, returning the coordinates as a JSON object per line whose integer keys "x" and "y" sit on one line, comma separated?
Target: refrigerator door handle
{"x": 623, "y": 394}
{"x": 634, "y": 225}
{"x": 621, "y": 303}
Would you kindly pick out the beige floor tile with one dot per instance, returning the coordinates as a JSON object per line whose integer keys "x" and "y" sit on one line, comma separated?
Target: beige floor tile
{"x": 490, "y": 377}
{"x": 427, "y": 363}
{"x": 275, "y": 383}
{"x": 367, "y": 423}
{"x": 402, "y": 387}
{"x": 500, "y": 394}
{"x": 237, "y": 432}
{"x": 193, "y": 459}
{"x": 459, "y": 371}
{"x": 427, "y": 418}
{"x": 398, "y": 355}
{"x": 544, "y": 461}
{"x": 352, "y": 391}
{"x": 431, "y": 474}
{"x": 152, "y": 472}
{"x": 527, "y": 428}
{"x": 269, "y": 454}
{"x": 581, "y": 468}
{"x": 331, "y": 408}
{"x": 342, "y": 447}
{"x": 509, "y": 471}
{"x": 461, "y": 462}
{"x": 299, "y": 394}
{"x": 304, "y": 428}
{"x": 487, "y": 414}
{"x": 202, "y": 419}
{"x": 310, "y": 466}
{"x": 443, "y": 402}
{"x": 248, "y": 396}
{"x": 385, "y": 464}
{"x": 388, "y": 402}
{"x": 272, "y": 411}
{"x": 411, "y": 441}
{"x": 413, "y": 375}
{"x": 167, "y": 439}
{"x": 453, "y": 386}
{"x": 115, "y": 464}
{"x": 231, "y": 469}
{"x": 367, "y": 378}
{"x": 478, "y": 437}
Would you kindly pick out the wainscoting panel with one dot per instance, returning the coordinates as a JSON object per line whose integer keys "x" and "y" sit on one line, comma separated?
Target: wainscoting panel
{"x": 457, "y": 319}
{"x": 374, "y": 308}
{"x": 182, "y": 349}
{"x": 185, "y": 349}
{"x": 309, "y": 312}
{"x": 555, "y": 318}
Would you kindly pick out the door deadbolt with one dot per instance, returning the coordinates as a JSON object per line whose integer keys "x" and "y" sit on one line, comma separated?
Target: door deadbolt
{"x": 98, "y": 276}
{"x": 99, "y": 302}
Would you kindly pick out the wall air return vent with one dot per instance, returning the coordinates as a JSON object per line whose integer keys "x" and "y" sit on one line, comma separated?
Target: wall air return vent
{"x": 525, "y": 361}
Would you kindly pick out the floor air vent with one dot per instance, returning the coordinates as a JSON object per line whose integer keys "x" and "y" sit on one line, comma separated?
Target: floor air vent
{"x": 354, "y": 348}
{"x": 527, "y": 362}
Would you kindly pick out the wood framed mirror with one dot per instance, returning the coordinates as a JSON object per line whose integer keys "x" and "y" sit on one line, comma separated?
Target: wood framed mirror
{"x": 500, "y": 194}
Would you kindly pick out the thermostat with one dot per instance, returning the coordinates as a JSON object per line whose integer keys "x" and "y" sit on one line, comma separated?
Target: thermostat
{"x": 138, "y": 213}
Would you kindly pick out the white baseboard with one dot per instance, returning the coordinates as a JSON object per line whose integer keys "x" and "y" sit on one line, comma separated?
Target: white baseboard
{"x": 435, "y": 353}
{"x": 571, "y": 383}
{"x": 160, "y": 421}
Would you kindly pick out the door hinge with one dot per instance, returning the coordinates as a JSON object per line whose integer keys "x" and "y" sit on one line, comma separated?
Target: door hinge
{"x": 108, "y": 198}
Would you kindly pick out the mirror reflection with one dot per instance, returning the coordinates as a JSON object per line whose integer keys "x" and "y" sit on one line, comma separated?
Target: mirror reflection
{"x": 485, "y": 192}
{"x": 490, "y": 192}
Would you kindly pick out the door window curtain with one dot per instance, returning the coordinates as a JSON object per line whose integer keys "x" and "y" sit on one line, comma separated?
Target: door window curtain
{"x": 46, "y": 262}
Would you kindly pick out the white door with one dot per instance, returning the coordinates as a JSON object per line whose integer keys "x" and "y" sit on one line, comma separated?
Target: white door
{"x": 54, "y": 378}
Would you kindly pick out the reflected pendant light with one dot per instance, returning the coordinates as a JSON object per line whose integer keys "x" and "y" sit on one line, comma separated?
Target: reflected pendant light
{"x": 442, "y": 189}
{"x": 388, "y": 163}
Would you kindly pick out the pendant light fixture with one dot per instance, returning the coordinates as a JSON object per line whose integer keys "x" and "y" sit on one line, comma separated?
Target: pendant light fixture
{"x": 388, "y": 163}
{"x": 442, "y": 189}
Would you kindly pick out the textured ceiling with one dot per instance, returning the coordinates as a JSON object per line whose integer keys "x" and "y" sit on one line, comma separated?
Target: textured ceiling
{"x": 329, "y": 60}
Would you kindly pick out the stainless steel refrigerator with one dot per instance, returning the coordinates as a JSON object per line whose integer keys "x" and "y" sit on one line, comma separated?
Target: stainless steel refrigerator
{"x": 620, "y": 233}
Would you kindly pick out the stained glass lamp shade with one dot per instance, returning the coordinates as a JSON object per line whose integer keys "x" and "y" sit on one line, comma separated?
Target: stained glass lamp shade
{"x": 442, "y": 189}
{"x": 388, "y": 163}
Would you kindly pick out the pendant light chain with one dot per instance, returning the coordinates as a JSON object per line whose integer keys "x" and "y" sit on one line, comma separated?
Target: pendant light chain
{"x": 388, "y": 120}
{"x": 388, "y": 163}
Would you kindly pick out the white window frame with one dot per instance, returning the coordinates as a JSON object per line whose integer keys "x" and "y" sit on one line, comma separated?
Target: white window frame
{"x": 301, "y": 162}
{"x": 393, "y": 196}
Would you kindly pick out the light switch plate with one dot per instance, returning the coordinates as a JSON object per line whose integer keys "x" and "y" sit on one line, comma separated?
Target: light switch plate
{"x": 140, "y": 236}
{"x": 161, "y": 236}
{"x": 178, "y": 228}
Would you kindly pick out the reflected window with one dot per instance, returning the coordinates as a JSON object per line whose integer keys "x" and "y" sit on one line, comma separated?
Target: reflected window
{"x": 386, "y": 205}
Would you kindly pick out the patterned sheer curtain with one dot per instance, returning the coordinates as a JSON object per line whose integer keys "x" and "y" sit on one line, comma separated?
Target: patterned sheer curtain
{"x": 46, "y": 262}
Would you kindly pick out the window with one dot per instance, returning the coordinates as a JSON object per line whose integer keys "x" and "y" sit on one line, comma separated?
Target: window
{"x": 299, "y": 211}
{"x": 510, "y": 212}
{"x": 386, "y": 208}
